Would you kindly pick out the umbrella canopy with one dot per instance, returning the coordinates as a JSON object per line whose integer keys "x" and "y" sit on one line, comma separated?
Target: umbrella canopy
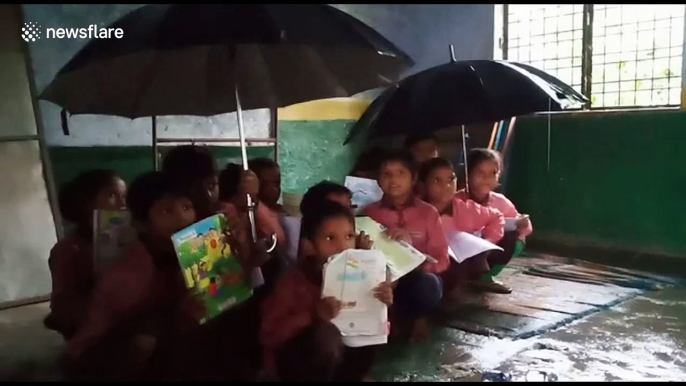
{"x": 189, "y": 59}
{"x": 464, "y": 92}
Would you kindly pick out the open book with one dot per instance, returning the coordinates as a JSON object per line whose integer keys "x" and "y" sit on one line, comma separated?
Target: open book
{"x": 210, "y": 267}
{"x": 351, "y": 277}
{"x": 112, "y": 234}
{"x": 401, "y": 258}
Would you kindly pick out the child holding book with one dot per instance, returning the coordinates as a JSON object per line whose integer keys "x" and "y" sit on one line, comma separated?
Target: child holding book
{"x": 71, "y": 259}
{"x": 412, "y": 220}
{"x": 438, "y": 186}
{"x": 300, "y": 342}
{"x": 122, "y": 325}
{"x": 484, "y": 166}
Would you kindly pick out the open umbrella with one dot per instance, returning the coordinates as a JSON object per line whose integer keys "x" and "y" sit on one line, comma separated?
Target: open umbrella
{"x": 464, "y": 92}
{"x": 210, "y": 59}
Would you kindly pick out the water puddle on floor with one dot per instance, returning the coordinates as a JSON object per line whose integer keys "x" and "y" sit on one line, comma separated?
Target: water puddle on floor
{"x": 643, "y": 339}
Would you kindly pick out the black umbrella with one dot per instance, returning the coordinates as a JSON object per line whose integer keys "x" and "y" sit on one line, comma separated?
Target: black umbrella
{"x": 213, "y": 59}
{"x": 464, "y": 92}
{"x": 189, "y": 59}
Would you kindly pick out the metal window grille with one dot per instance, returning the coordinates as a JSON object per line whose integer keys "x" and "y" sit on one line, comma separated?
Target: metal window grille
{"x": 633, "y": 58}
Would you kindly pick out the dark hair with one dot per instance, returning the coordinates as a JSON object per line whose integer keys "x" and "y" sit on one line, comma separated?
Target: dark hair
{"x": 77, "y": 197}
{"x": 369, "y": 161}
{"x": 432, "y": 164}
{"x": 229, "y": 178}
{"x": 312, "y": 220}
{"x": 414, "y": 139}
{"x": 149, "y": 187}
{"x": 189, "y": 163}
{"x": 479, "y": 155}
{"x": 258, "y": 165}
{"x": 317, "y": 194}
{"x": 402, "y": 156}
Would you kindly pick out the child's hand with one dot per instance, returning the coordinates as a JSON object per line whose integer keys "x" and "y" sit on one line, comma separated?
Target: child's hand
{"x": 249, "y": 184}
{"x": 522, "y": 223}
{"x": 144, "y": 347}
{"x": 384, "y": 292}
{"x": 328, "y": 308}
{"x": 399, "y": 234}
{"x": 362, "y": 241}
{"x": 194, "y": 307}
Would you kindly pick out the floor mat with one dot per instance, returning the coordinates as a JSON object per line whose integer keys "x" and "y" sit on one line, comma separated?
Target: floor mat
{"x": 548, "y": 293}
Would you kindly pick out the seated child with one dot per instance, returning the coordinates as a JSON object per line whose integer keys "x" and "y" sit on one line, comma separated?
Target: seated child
{"x": 269, "y": 174}
{"x": 483, "y": 167}
{"x": 142, "y": 300}
{"x": 423, "y": 146}
{"x": 418, "y": 223}
{"x": 196, "y": 168}
{"x": 438, "y": 186}
{"x": 234, "y": 184}
{"x": 71, "y": 259}
{"x": 299, "y": 340}
{"x": 331, "y": 191}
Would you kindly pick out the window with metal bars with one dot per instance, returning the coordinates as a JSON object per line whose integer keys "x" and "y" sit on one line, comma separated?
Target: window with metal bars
{"x": 621, "y": 56}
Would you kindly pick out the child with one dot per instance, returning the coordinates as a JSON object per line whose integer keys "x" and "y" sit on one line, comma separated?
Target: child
{"x": 414, "y": 221}
{"x": 234, "y": 185}
{"x": 330, "y": 191}
{"x": 195, "y": 167}
{"x": 438, "y": 186}
{"x": 423, "y": 146}
{"x": 483, "y": 167}
{"x": 300, "y": 342}
{"x": 269, "y": 174}
{"x": 71, "y": 259}
{"x": 141, "y": 300}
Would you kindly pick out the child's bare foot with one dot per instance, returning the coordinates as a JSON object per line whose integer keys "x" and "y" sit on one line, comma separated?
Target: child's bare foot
{"x": 420, "y": 330}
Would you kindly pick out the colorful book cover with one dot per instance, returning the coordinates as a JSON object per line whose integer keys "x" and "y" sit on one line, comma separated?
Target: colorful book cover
{"x": 112, "y": 234}
{"x": 209, "y": 266}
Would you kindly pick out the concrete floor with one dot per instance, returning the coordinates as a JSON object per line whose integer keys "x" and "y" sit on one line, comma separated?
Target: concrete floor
{"x": 641, "y": 339}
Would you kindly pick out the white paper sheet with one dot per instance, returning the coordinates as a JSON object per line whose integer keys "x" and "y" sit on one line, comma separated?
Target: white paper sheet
{"x": 510, "y": 224}
{"x": 364, "y": 191}
{"x": 463, "y": 245}
{"x": 291, "y": 225}
{"x": 401, "y": 258}
{"x": 351, "y": 277}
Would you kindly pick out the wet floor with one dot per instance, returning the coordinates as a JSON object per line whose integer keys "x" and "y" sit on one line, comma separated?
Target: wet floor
{"x": 643, "y": 339}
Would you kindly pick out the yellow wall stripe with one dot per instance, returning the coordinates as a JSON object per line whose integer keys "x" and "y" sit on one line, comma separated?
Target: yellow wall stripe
{"x": 325, "y": 110}
{"x": 683, "y": 98}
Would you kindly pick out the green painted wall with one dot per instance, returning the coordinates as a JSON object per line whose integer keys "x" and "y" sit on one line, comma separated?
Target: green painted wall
{"x": 312, "y": 151}
{"x": 616, "y": 180}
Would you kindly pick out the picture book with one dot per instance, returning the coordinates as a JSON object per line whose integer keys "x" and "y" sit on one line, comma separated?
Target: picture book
{"x": 210, "y": 267}
{"x": 112, "y": 234}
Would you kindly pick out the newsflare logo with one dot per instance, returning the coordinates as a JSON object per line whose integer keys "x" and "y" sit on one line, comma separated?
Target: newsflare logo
{"x": 31, "y": 32}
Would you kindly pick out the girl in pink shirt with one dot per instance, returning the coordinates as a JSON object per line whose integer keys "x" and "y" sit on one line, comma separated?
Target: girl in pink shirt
{"x": 414, "y": 221}
{"x": 438, "y": 185}
{"x": 71, "y": 259}
{"x": 484, "y": 166}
